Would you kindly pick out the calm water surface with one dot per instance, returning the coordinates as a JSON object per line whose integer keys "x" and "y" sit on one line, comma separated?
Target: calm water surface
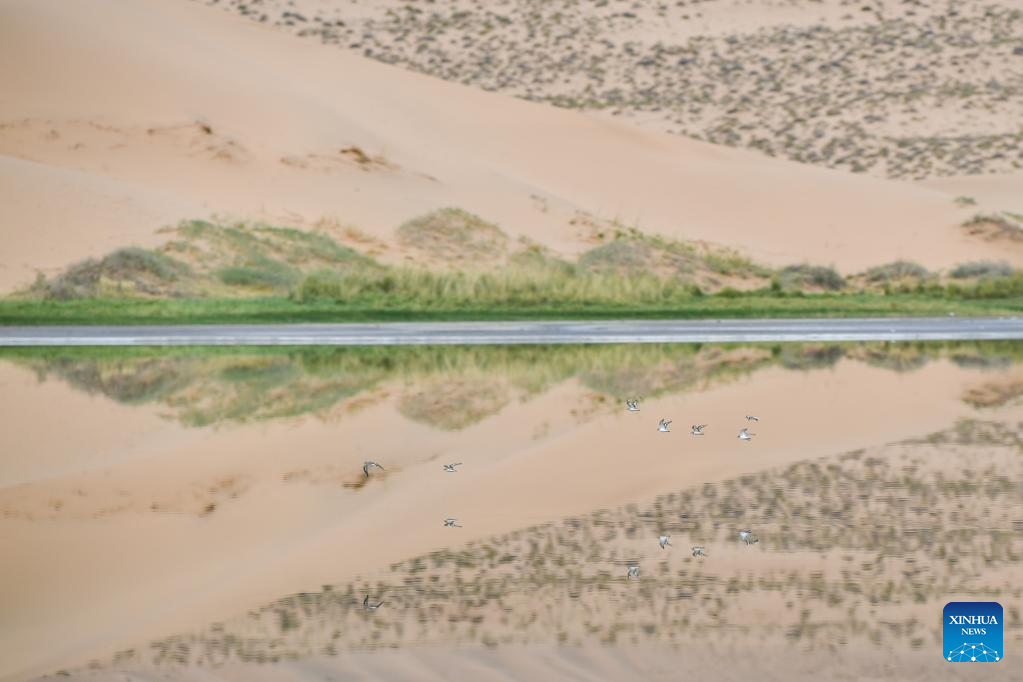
{"x": 179, "y": 514}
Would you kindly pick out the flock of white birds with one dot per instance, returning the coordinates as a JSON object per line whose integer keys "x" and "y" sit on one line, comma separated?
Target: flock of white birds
{"x": 663, "y": 426}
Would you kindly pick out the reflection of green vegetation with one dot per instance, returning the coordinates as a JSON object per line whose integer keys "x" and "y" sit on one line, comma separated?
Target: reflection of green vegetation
{"x": 445, "y": 386}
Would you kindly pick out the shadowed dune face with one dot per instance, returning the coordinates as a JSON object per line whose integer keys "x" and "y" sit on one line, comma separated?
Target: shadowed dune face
{"x": 150, "y": 493}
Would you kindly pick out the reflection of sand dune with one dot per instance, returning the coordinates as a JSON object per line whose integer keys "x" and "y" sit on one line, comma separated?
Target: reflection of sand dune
{"x": 558, "y": 454}
{"x": 859, "y": 550}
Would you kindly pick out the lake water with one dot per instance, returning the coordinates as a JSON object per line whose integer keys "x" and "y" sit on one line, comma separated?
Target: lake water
{"x": 203, "y": 514}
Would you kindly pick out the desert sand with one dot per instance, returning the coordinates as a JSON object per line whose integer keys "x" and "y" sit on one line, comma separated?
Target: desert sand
{"x": 112, "y": 129}
{"x": 172, "y": 525}
{"x": 896, "y": 89}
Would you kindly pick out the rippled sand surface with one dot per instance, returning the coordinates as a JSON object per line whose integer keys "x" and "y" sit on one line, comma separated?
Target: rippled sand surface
{"x": 203, "y": 515}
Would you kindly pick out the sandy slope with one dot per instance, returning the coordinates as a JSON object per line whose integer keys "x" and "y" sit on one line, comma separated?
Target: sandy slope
{"x": 888, "y": 87}
{"x": 140, "y": 555}
{"x": 1002, "y": 192}
{"x": 176, "y": 109}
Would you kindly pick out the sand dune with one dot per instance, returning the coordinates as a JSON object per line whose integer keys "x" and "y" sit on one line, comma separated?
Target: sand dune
{"x": 887, "y": 87}
{"x": 1002, "y": 192}
{"x": 176, "y": 109}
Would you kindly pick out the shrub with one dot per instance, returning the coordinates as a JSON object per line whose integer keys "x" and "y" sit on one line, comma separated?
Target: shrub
{"x": 451, "y": 232}
{"x": 981, "y": 268}
{"x": 996, "y": 225}
{"x": 796, "y": 276}
{"x": 135, "y": 269}
{"x": 900, "y": 269}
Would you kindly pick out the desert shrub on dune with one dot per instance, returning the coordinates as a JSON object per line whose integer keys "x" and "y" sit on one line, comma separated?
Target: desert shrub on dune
{"x": 453, "y": 234}
{"x": 996, "y": 226}
{"x": 983, "y": 268}
{"x": 127, "y": 271}
{"x": 804, "y": 275}
{"x": 897, "y": 270}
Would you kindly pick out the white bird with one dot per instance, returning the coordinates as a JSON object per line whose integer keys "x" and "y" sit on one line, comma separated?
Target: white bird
{"x": 366, "y": 466}
{"x": 662, "y": 425}
{"x": 698, "y": 429}
{"x": 664, "y": 541}
{"x": 451, "y": 523}
{"x": 698, "y": 551}
{"x": 371, "y": 607}
{"x": 632, "y": 405}
{"x": 745, "y": 435}
{"x": 450, "y": 468}
{"x": 748, "y": 537}
{"x": 633, "y": 572}
{"x": 751, "y": 418}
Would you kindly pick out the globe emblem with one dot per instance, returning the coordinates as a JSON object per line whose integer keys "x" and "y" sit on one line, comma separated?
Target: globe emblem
{"x": 973, "y": 653}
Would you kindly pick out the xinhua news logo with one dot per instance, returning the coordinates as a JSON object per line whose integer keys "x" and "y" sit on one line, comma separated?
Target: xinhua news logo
{"x": 972, "y": 632}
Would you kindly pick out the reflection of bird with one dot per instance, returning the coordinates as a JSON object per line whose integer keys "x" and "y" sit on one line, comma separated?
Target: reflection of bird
{"x": 450, "y": 468}
{"x": 748, "y": 537}
{"x": 451, "y": 523}
{"x": 664, "y": 541}
{"x": 698, "y": 551}
{"x": 698, "y": 429}
{"x": 371, "y": 607}
{"x": 662, "y": 425}
{"x": 366, "y": 466}
{"x": 632, "y": 405}
{"x": 751, "y": 418}
{"x": 633, "y": 572}
{"x": 745, "y": 435}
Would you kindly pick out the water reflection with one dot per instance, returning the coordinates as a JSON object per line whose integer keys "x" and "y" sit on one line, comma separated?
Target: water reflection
{"x": 865, "y": 546}
{"x": 855, "y": 550}
{"x": 447, "y": 387}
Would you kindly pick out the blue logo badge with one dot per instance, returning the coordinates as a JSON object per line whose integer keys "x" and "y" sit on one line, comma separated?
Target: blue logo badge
{"x": 972, "y": 631}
